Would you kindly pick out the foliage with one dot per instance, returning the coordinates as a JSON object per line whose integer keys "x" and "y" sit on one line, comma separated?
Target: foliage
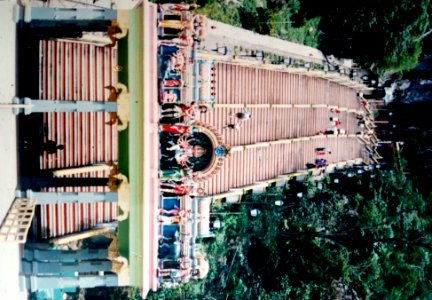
{"x": 367, "y": 236}
{"x": 385, "y": 35}
{"x": 263, "y": 17}
{"x": 112, "y": 293}
{"x": 220, "y": 11}
{"x": 226, "y": 259}
{"x": 412, "y": 125}
{"x": 39, "y": 295}
{"x": 372, "y": 240}
{"x": 282, "y": 26}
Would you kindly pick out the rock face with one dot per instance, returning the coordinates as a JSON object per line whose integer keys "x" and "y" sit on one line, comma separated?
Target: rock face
{"x": 420, "y": 79}
{"x": 418, "y": 91}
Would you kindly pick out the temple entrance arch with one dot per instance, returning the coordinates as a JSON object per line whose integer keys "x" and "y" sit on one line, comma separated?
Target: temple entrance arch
{"x": 198, "y": 149}
{"x": 217, "y": 151}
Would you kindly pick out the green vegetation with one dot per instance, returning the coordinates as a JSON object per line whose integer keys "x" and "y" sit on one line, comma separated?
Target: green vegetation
{"x": 365, "y": 235}
{"x": 413, "y": 126}
{"x": 219, "y": 11}
{"x": 383, "y": 35}
{"x": 264, "y": 18}
{"x": 112, "y": 293}
{"x": 98, "y": 293}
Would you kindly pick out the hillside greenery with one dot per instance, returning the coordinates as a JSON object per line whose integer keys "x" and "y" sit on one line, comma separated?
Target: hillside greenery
{"x": 385, "y": 36}
{"x": 365, "y": 235}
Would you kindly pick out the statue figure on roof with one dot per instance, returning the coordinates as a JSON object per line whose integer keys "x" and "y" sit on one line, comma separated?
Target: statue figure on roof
{"x": 176, "y": 174}
{"x": 177, "y": 7}
{"x": 181, "y": 110}
{"x": 179, "y": 129}
{"x": 181, "y": 189}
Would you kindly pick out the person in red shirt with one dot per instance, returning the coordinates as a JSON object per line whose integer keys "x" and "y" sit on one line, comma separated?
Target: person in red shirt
{"x": 322, "y": 151}
{"x": 334, "y": 121}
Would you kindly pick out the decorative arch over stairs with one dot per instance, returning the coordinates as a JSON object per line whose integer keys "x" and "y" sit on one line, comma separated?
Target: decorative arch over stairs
{"x": 217, "y": 150}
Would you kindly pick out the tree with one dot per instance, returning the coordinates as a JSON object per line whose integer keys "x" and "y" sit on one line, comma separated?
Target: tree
{"x": 385, "y": 35}
{"x": 366, "y": 235}
{"x": 412, "y": 123}
{"x": 114, "y": 293}
{"x": 229, "y": 275}
{"x": 265, "y": 17}
{"x": 374, "y": 239}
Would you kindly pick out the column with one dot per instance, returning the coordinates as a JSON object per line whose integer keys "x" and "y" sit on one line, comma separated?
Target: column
{"x": 36, "y": 183}
{"x": 64, "y": 255}
{"x": 52, "y": 268}
{"x": 36, "y": 282}
{"x": 30, "y": 14}
{"x": 68, "y": 197}
{"x": 64, "y": 268}
{"x": 28, "y": 106}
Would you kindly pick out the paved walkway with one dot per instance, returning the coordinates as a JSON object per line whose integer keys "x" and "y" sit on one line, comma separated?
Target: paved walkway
{"x": 9, "y": 253}
{"x": 220, "y": 34}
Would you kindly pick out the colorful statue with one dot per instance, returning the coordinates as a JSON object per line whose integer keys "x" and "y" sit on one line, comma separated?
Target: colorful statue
{"x": 183, "y": 151}
{"x": 177, "y": 7}
{"x": 175, "y": 174}
{"x": 172, "y": 82}
{"x": 169, "y": 97}
{"x": 181, "y": 217}
{"x": 177, "y": 62}
{"x": 179, "y": 275}
{"x": 178, "y": 111}
{"x": 182, "y": 41}
{"x": 174, "y": 24}
{"x": 182, "y": 110}
{"x": 179, "y": 189}
{"x": 178, "y": 129}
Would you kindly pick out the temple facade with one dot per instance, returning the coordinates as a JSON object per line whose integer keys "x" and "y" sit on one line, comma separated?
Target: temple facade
{"x": 133, "y": 123}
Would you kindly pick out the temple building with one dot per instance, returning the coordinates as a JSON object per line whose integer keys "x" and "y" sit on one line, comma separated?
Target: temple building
{"x": 134, "y": 122}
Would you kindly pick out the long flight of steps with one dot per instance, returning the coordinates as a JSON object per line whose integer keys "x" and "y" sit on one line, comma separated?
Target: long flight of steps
{"x": 71, "y": 70}
{"x": 288, "y": 110}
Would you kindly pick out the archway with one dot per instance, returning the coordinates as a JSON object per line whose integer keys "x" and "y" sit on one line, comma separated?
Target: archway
{"x": 197, "y": 147}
